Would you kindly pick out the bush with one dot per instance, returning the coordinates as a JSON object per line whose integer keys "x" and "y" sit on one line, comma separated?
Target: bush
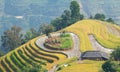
{"x": 110, "y": 66}
{"x": 116, "y": 54}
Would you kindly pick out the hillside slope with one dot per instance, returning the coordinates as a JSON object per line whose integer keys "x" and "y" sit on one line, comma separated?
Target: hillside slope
{"x": 27, "y": 55}
{"x": 108, "y": 35}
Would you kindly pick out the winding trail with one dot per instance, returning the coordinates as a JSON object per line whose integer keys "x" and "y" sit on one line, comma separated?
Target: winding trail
{"x": 97, "y": 46}
{"x": 75, "y": 51}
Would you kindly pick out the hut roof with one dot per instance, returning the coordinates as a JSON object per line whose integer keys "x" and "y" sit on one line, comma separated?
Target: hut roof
{"x": 95, "y": 54}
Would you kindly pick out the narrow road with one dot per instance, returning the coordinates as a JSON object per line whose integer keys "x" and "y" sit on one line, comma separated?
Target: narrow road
{"x": 75, "y": 51}
{"x": 97, "y": 46}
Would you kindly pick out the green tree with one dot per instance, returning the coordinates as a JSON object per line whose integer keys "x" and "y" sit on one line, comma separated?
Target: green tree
{"x": 11, "y": 38}
{"x": 75, "y": 12}
{"x": 110, "y": 20}
{"x": 100, "y": 16}
{"x": 116, "y": 55}
{"x": 66, "y": 17}
{"x": 32, "y": 33}
{"x": 91, "y": 17}
{"x": 57, "y": 23}
{"x": 109, "y": 66}
{"x": 46, "y": 29}
{"x": 1, "y": 53}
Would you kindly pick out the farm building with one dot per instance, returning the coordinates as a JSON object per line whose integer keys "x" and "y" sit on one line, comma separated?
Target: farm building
{"x": 94, "y": 55}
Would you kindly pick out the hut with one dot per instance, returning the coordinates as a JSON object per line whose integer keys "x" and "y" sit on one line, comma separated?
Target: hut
{"x": 94, "y": 55}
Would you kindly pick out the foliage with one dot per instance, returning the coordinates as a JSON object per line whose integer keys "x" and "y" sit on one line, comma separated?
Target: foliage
{"x": 110, "y": 66}
{"x": 116, "y": 54}
{"x": 57, "y": 23}
{"x": 100, "y": 16}
{"x": 32, "y": 33}
{"x": 110, "y": 20}
{"x": 1, "y": 53}
{"x": 46, "y": 29}
{"x": 75, "y": 12}
{"x": 11, "y": 38}
{"x": 68, "y": 17}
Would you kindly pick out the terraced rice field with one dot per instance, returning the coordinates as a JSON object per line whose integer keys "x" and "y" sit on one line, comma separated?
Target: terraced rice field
{"x": 27, "y": 55}
{"x": 108, "y": 35}
{"x": 86, "y": 66}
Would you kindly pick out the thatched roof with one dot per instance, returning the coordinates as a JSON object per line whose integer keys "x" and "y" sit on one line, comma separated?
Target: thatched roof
{"x": 95, "y": 54}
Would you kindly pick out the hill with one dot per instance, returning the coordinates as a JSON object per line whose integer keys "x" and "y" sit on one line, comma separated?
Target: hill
{"x": 108, "y": 35}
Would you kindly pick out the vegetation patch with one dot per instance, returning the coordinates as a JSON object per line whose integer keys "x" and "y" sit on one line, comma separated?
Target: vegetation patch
{"x": 62, "y": 42}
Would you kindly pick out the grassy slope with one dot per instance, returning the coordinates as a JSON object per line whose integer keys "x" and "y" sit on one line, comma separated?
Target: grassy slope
{"x": 101, "y": 31}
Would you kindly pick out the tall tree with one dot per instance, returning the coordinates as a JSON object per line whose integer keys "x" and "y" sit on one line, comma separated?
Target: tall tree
{"x": 11, "y": 38}
{"x": 116, "y": 55}
{"x": 75, "y": 12}
{"x": 66, "y": 17}
{"x": 57, "y": 23}
{"x": 46, "y": 29}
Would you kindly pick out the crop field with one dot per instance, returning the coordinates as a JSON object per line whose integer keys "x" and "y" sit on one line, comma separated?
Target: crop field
{"x": 29, "y": 54}
{"x": 86, "y": 66}
{"x": 108, "y": 35}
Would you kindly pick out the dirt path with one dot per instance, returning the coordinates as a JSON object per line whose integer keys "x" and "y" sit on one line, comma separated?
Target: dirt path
{"x": 97, "y": 46}
{"x": 75, "y": 51}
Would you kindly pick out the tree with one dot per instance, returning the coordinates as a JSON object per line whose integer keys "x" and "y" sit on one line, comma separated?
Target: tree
{"x": 32, "y": 33}
{"x": 109, "y": 66}
{"x": 116, "y": 54}
{"x": 11, "y": 38}
{"x": 110, "y": 20}
{"x": 91, "y": 17}
{"x": 75, "y": 12}
{"x": 57, "y": 23}
{"x": 1, "y": 53}
{"x": 46, "y": 29}
{"x": 66, "y": 17}
{"x": 100, "y": 16}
